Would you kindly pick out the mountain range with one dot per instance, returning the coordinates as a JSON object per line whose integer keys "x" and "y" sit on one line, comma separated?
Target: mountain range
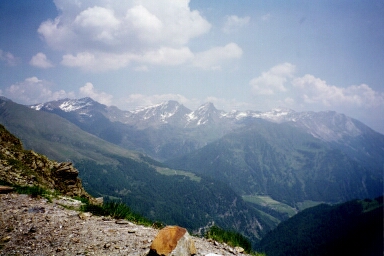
{"x": 290, "y": 156}
{"x": 243, "y": 170}
{"x": 147, "y": 186}
{"x": 204, "y": 125}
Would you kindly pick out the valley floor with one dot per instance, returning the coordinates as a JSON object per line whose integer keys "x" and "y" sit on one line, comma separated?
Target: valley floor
{"x": 30, "y": 226}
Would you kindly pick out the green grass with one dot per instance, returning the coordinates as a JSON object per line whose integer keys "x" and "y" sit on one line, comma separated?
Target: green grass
{"x": 118, "y": 210}
{"x": 33, "y": 191}
{"x": 169, "y": 172}
{"x": 269, "y": 217}
{"x": 307, "y": 204}
{"x": 267, "y": 201}
{"x": 229, "y": 237}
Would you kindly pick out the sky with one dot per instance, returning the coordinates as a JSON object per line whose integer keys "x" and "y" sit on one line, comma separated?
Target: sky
{"x": 246, "y": 55}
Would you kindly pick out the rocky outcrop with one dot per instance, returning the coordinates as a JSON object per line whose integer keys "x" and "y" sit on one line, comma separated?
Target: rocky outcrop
{"x": 172, "y": 241}
{"x": 27, "y": 168}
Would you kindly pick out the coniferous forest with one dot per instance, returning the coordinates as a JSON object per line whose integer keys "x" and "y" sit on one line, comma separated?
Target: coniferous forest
{"x": 351, "y": 228}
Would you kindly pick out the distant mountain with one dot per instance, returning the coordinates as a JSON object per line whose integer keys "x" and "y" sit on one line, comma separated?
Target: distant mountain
{"x": 188, "y": 130}
{"x": 162, "y": 131}
{"x": 351, "y": 228}
{"x": 148, "y": 187}
{"x": 292, "y": 156}
{"x": 280, "y": 160}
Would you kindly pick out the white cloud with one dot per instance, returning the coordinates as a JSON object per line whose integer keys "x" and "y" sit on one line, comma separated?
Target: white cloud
{"x": 101, "y": 35}
{"x": 310, "y": 92}
{"x": 40, "y": 60}
{"x": 101, "y": 61}
{"x": 88, "y": 90}
{"x": 213, "y": 58}
{"x": 316, "y": 91}
{"x": 8, "y": 58}
{"x": 98, "y": 61}
{"x": 33, "y": 90}
{"x": 273, "y": 80}
{"x": 166, "y": 56}
{"x": 98, "y": 24}
{"x": 179, "y": 23}
{"x": 233, "y": 23}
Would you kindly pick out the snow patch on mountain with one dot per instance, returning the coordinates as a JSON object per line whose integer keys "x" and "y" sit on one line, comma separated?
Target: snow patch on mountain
{"x": 73, "y": 105}
{"x": 38, "y": 106}
{"x": 327, "y": 125}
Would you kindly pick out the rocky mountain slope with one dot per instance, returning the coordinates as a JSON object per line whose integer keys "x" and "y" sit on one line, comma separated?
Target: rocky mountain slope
{"x": 31, "y": 226}
{"x": 27, "y": 168}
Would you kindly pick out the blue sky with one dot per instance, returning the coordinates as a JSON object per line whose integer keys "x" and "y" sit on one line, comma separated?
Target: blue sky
{"x": 256, "y": 55}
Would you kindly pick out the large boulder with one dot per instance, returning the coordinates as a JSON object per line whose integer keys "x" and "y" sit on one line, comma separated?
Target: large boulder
{"x": 172, "y": 241}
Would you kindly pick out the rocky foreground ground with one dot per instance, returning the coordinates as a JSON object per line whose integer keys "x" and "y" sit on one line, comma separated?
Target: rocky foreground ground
{"x": 34, "y": 226}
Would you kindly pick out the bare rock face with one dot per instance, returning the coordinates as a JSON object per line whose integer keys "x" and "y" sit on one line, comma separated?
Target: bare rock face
{"x": 27, "y": 168}
{"x": 173, "y": 240}
{"x": 66, "y": 179}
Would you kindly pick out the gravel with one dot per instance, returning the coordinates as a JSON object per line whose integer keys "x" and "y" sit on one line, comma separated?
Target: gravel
{"x": 34, "y": 226}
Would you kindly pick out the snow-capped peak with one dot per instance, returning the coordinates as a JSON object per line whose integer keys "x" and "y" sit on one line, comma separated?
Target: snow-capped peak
{"x": 73, "y": 105}
{"x": 162, "y": 113}
{"x": 329, "y": 126}
{"x": 66, "y": 105}
{"x": 204, "y": 114}
{"x": 277, "y": 115}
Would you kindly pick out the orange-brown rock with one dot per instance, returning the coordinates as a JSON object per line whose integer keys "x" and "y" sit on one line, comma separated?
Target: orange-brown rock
{"x": 173, "y": 240}
{"x": 5, "y": 189}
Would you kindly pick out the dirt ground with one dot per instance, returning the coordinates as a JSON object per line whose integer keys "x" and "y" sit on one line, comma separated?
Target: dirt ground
{"x": 34, "y": 226}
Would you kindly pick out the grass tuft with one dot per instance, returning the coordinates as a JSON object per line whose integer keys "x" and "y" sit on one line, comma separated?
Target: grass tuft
{"x": 229, "y": 237}
{"x": 118, "y": 210}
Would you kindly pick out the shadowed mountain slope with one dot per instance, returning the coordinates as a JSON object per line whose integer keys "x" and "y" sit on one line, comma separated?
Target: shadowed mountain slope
{"x": 281, "y": 161}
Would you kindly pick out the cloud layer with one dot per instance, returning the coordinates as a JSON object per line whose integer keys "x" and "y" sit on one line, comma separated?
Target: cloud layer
{"x": 102, "y": 35}
{"x": 273, "y": 80}
{"x": 33, "y": 90}
{"x": 281, "y": 85}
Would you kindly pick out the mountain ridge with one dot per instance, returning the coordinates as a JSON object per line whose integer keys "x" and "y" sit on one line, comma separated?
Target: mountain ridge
{"x": 170, "y": 130}
{"x": 332, "y": 142}
{"x": 207, "y": 111}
